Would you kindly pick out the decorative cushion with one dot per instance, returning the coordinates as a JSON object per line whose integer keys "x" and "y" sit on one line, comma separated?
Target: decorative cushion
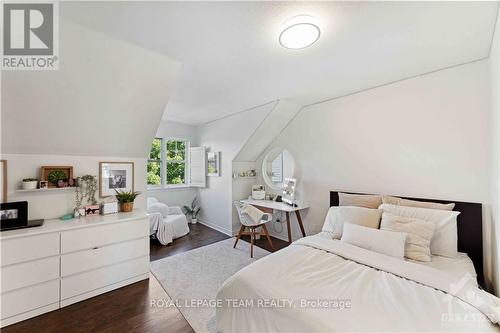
{"x": 419, "y": 233}
{"x": 158, "y": 207}
{"x": 360, "y": 200}
{"x": 337, "y": 216}
{"x": 414, "y": 203}
{"x": 381, "y": 241}
{"x": 445, "y": 240}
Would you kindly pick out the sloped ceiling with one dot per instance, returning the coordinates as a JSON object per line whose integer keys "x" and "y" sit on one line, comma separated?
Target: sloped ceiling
{"x": 232, "y": 61}
{"x": 106, "y": 99}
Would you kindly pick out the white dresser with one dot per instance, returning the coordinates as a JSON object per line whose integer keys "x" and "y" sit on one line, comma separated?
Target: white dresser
{"x": 63, "y": 262}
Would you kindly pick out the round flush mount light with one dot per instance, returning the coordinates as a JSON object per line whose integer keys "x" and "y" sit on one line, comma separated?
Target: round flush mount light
{"x": 299, "y": 32}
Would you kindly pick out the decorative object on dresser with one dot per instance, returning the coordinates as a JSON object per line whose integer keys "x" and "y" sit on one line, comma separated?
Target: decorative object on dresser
{"x": 115, "y": 176}
{"x": 126, "y": 200}
{"x": 85, "y": 191}
{"x": 192, "y": 210}
{"x": 44, "y": 185}
{"x": 92, "y": 210}
{"x": 3, "y": 180}
{"x": 213, "y": 164}
{"x": 53, "y": 174}
{"x": 61, "y": 263}
{"x": 30, "y": 183}
{"x": 109, "y": 208}
{"x": 14, "y": 215}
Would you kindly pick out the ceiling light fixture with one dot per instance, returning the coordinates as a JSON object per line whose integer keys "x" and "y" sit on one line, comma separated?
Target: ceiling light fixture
{"x": 299, "y": 32}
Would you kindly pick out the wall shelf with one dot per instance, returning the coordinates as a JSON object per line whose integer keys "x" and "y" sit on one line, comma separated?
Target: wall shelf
{"x": 42, "y": 190}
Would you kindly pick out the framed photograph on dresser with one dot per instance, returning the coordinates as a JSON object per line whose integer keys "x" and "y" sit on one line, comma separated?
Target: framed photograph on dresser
{"x": 115, "y": 176}
{"x": 3, "y": 180}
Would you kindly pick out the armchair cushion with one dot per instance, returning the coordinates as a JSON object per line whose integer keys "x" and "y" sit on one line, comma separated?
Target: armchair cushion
{"x": 159, "y": 207}
{"x": 175, "y": 210}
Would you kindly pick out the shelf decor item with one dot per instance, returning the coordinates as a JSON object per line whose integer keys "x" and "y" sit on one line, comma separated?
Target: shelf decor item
{"x": 44, "y": 185}
{"x": 30, "y": 183}
{"x": 126, "y": 199}
{"x": 53, "y": 174}
{"x": 115, "y": 176}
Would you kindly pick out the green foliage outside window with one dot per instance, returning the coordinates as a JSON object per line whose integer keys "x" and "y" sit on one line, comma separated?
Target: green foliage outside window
{"x": 175, "y": 154}
{"x": 176, "y": 165}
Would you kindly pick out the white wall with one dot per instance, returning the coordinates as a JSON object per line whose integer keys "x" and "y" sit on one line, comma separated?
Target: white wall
{"x": 54, "y": 204}
{"x": 227, "y": 135}
{"x": 494, "y": 66}
{"x": 177, "y": 196}
{"x": 423, "y": 137}
{"x": 106, "y": 99}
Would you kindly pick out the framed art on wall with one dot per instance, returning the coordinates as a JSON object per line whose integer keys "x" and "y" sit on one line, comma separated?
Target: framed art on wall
{"x": 115, "y": 176}
{"x": 213, "y": 164}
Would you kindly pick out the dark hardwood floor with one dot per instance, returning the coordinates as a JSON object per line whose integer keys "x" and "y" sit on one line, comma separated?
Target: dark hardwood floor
{"x": 129, "y": 309}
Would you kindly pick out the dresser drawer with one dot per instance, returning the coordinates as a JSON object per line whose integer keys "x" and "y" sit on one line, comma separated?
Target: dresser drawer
{"x": 81, "y": 283}
{"x": 102, "y": 256}
{"x": 29, "y": 298}
{"x": 29, "y": 273}
{"x": 88, "y": 238}
{"x": 22, "y": 249}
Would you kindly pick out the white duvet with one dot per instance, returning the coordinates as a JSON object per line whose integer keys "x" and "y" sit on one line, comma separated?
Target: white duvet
{"x": 324, "y": 285}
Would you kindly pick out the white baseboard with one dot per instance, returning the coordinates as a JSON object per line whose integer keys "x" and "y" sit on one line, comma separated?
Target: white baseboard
{"x": 216, "y": 227}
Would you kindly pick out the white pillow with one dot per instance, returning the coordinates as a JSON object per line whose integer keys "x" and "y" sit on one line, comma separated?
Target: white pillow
{"x": 337, "y": 215}
{"x": 360, "y": 200}
{"x": 158, "y": 207}
{"x": 385, "y": 242}
{"x": 445, "y": 240}
{"x": 387, "y": 199}
{"x": 419, "y": 233}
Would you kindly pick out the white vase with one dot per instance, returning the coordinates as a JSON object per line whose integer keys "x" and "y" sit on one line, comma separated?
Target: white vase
{"x": 30, "y": 185}
{"x": 194, "y": 221}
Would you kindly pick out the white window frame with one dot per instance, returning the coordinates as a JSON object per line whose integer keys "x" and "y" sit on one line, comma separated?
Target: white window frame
{"x": 164, "y": 162}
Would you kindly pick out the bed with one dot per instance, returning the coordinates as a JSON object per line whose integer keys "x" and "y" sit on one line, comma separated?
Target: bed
{"x": 322, "y": 285}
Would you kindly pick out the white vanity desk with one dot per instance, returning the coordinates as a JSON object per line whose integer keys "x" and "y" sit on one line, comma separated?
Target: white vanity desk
{"x": 63, "y": 262}
{"x": 268, "y": 206}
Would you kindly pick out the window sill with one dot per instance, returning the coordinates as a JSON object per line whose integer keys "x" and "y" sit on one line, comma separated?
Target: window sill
{"x": 167, "y": 188}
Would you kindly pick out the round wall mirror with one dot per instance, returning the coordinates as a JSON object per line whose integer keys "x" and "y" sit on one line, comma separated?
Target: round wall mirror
{"x": 278, "y": 164}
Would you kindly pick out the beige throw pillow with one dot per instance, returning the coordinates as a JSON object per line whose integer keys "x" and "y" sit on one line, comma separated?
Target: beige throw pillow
{"x": 418, "y": 241}
{"x": 360, "y": 200}
{"x": 365, "y": 217}
{"x": 414, "y": 203}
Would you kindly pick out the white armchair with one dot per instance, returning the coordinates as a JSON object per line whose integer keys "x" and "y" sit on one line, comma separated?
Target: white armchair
{"x": 166, "y": 223}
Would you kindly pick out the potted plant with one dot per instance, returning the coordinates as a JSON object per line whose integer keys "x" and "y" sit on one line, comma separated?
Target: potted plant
{"x": 57, "y": 178}
{"x": 126, "y": 200}
{"x": 193, "y": 210}
{"x": 30, "y": 183}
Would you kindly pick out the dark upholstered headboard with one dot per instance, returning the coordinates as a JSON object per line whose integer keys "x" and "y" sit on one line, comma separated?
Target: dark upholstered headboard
{"x": 470, "y": 229}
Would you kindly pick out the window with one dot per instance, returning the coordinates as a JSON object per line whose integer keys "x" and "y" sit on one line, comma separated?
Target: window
{"x": 154, "y": 163}
{"x": 176, "y": 162}
{"x": 168, "y": 163}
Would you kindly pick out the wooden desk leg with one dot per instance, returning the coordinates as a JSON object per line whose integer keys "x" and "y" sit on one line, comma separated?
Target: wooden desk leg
{"x": 300, "y": 223}
{"x": 288, "y": 227}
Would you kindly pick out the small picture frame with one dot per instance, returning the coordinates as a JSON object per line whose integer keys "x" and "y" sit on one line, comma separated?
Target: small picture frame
{"x": 213, "y": 164}
{"x": 44, "y": 184}
{"x": 92, "y": 210}
{"x": 115, "y": 176}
